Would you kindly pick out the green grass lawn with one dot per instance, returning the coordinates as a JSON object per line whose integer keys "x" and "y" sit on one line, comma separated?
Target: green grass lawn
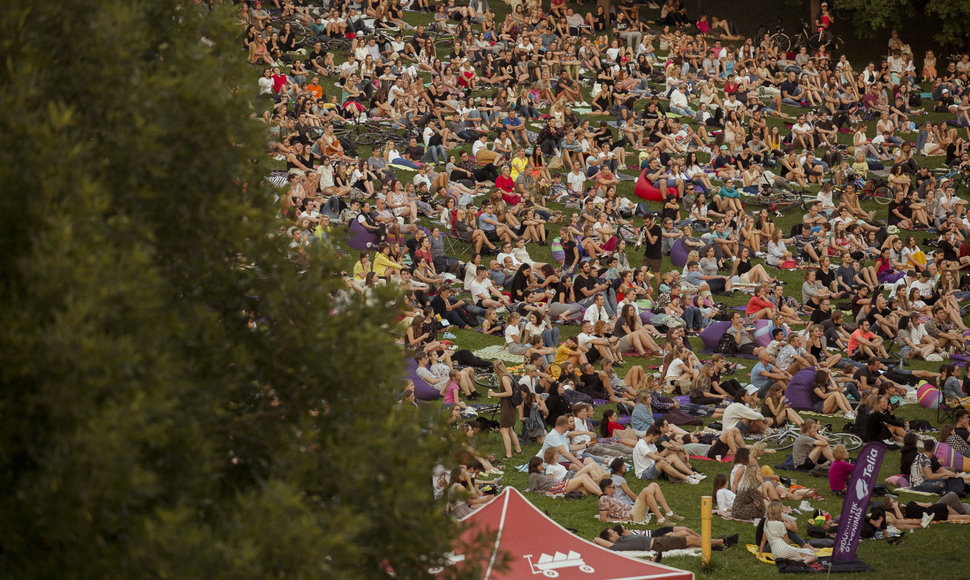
{"x": 926, "y": 553}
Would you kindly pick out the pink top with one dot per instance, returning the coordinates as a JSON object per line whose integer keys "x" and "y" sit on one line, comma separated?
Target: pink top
{"x": 451, "y": 391}
{"x": 839, "y": 474}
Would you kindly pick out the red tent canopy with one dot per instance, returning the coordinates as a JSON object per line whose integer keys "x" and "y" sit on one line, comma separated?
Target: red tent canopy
{"x": 538, "y": 546}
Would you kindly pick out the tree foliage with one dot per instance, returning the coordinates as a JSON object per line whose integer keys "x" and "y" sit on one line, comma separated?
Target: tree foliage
{"x": 178, "y": 400}
{"x": 950, "y": 19}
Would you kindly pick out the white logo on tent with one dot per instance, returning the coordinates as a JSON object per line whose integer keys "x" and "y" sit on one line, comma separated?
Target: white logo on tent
{"x": 547, "y": 565}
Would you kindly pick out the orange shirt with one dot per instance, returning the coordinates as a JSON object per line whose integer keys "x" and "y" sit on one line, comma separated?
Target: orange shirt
{"x": 316, "y": 90}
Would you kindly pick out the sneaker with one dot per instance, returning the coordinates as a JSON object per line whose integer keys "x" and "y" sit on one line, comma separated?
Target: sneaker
{"x": 674, "y": 518}
{"x": 925, "y": 520}
{"x": 849, "y": 416}
{"x": 805, "y": 506}
{"x": 731, "y": 540}
{"x": 692, "y": 481}
{"x": 888, "y": 442}
{"x": 699, "y": 476}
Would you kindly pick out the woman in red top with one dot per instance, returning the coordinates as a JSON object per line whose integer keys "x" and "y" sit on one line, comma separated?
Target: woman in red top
{"x": 505, "y": 185}
{"x": 759, "y": 306}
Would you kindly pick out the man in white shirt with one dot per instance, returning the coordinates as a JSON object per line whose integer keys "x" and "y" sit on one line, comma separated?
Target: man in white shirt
{"x": 924, "y": 284}
{"x": 597, "y": 311}
{"x": 482, "y": 291}
{"x": 678, "y": 103}
{"x": 648, "y": 464}
{"x": 740, "y": 414}
{"x": 558, "y": 440}
{"x": 576, "y": 180}
{"x": 598, "y": 348}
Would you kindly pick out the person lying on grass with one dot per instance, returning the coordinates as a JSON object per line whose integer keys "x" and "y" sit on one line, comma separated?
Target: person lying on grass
{"x": 660, "y": 540}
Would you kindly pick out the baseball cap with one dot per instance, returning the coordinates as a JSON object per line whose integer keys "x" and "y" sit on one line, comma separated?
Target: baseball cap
{"x": 751, "y": 390}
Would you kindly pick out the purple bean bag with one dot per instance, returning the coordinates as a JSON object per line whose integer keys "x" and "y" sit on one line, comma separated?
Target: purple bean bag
{"x": 713, "y": 333}
{"x": 422, "y": 390}
{"x": 799, "y": 391}
{"x": 557, "y": 252}
{"x": 678, "y": 253}
{"x": 762, "y": 332}
{"x": 360, "y": 238}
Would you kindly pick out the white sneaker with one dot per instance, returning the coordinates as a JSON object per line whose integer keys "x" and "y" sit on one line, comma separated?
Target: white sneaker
{"x": 849, "y": 416}
{"x": 888, "y": 442}
{"x": 806, "y": 507}
{"x": 692, "y": 480}
{"x": 699, "y": 476}
{"x": 925, "y": 520}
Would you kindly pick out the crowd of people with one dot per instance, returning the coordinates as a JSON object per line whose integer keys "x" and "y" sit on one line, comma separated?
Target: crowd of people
{"x": 519, "y": 131}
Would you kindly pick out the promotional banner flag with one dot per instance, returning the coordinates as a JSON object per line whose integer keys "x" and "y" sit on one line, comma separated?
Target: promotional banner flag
{"x": 856, "y": 505}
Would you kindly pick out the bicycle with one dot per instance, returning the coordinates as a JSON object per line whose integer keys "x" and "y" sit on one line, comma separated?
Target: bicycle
{"x": 869, "y": 189}
{"x": 784, "y": 438}
{"x": 813, "y": 40}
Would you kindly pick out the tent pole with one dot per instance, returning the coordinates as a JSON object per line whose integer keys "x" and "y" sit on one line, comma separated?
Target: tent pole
{"x": 706, "y": 529}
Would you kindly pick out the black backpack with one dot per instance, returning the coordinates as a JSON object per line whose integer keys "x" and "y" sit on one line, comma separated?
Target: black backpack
{"x": 517, "y": 395}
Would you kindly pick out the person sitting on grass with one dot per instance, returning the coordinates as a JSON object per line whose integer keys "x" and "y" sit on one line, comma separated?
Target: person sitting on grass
{"x": 541, "y": 482}
{"x": 776, "y": 536}
{"x": 649, "y": 464}
{"x": 651, "y": 497}
{"x": 810, "y": 448}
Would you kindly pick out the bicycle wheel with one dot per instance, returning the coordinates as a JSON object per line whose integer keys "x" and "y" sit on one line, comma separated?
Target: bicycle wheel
{"x": 370, "y": 139}
{"x": 780, "y": 41}
{"x": 882, "y": 195}
{"x": 487, "y": 380}
{"x": 780, "y": 441}
{"x": 849, "y": 440}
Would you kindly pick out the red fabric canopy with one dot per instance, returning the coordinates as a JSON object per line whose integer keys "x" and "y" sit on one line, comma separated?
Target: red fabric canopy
{"x": 539, "y": 547}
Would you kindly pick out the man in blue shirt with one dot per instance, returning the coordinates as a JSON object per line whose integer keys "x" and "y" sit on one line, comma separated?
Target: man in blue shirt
{"x": 516, "y": 128}
{"x": 764, "y": 373}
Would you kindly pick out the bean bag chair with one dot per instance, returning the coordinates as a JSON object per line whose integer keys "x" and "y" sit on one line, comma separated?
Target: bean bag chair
{"x": 646, "y": 316}
{"x": 762, "y": 332}
{"x": 360, "y": 238}
{"x": 713, "y": 333}
{"x": 644, "y": 189}
{"x": 799, "y": 391}
{"x": 557, "y": 252}
{"x": 678, "y": 253}
{"x": 950, "y": 457}
{"x": 422, "y": 390}
{"x": 927, "y": 395}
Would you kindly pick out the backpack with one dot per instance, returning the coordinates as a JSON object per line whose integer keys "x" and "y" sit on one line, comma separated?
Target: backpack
{"x": 517, "y": 395}
{"x": 533, "y": 427}
{"x": 726, "y": 345}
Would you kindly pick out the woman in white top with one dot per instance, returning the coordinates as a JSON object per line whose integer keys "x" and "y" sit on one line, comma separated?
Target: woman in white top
{"x": 678, "y": 370}
{"x": 515, "y": 341}
{"x": 723, "y": 495}
{"x": 776, "y": 250}
{"x": 775, "y": 535}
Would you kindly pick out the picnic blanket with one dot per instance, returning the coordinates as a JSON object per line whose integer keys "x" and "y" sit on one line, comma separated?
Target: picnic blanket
{"x": 898, "y": 490}
{"x": 727, "y": 516}
{"x": 692, "y": 552}
{"x": 499, "y": 352}
{"x": 768, "y": 559}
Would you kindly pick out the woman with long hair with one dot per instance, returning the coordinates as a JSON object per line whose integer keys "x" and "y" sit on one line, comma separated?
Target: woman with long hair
{"x": 508, "y": 410}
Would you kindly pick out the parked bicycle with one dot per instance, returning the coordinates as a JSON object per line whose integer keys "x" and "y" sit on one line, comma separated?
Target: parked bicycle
{"x": 869, "y": 189}
{"x": 784, "y": 438}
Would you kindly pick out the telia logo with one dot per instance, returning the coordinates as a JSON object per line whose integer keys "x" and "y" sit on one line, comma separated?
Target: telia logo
{"x": 861, "y": 489}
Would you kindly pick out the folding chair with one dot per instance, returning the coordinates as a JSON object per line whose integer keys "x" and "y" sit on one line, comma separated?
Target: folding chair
{"x": 946, "y": 409}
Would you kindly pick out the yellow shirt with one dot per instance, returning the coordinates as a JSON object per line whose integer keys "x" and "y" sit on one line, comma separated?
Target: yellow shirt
{"x": 518, "y": 165}
{"x": 360, "y": 273}
{"x": 382, "y": 263}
